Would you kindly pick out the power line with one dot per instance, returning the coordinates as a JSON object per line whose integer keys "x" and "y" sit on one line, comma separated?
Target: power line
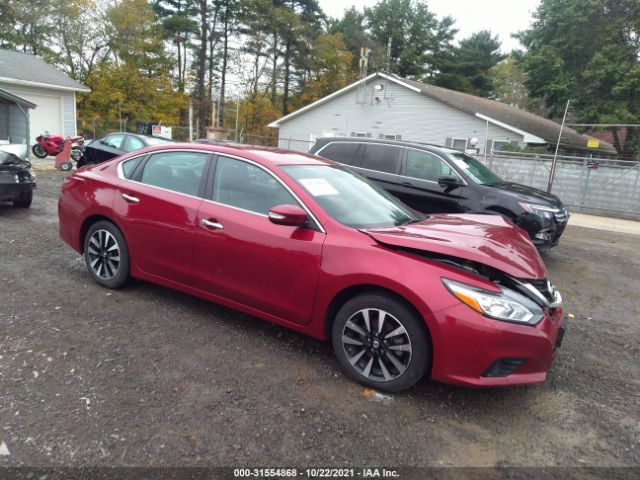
{"x": 603, "y": 124}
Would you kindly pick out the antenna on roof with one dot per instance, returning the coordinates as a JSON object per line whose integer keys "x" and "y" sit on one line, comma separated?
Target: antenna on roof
{"x": 364, "y": 65}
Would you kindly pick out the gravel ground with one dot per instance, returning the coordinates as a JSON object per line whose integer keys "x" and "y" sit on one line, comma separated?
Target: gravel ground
{"x": 146, "y": 376}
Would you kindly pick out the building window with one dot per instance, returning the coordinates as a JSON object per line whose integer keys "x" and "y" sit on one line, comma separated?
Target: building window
{"x": 498, "y": 145}
{"x": 459, "y": 144}
{"x": 391, "y": 136}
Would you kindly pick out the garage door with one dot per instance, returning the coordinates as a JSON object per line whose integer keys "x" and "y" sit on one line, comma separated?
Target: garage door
{"x": 46, "y": 116}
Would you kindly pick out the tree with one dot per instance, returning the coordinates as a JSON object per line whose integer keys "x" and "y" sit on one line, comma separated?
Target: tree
{"x": 419, "y": 40}
{"x": 587, "y": 51}
{"x": 467, "y": 68}
{"x": 330, "y": 69}
{"x": 507, "y": 79}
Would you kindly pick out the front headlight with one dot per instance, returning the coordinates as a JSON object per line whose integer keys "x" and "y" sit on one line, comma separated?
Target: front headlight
{"x": 508, "y": 306}
{"x": 541, "y": 210}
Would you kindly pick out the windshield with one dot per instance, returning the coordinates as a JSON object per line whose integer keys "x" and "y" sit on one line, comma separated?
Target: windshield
{"x": 349, "y": 198}
{"x": 474, "y": 169}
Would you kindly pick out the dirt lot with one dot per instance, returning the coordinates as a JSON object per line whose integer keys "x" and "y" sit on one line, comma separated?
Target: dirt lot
{"x": 147, "y": 376}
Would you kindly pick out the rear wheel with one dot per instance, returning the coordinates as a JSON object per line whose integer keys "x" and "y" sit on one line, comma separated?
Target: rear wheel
{"x": 24, "y": 200}
{"x": 106, "y": 254}
{"x": 38, "y": 151}
{"x": 381, "y": 342}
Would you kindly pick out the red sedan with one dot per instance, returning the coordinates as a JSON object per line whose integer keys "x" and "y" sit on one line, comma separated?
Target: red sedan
{"x": 308, "y": 244}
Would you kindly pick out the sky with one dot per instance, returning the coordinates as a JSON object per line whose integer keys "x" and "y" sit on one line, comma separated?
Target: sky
{"x": 501, "y": 17}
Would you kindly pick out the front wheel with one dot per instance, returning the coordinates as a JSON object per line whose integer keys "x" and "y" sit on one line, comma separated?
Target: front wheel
{"x": 381, "y": 342}
{"x": 38, "y": 151}
{"x": 106, "y": 255}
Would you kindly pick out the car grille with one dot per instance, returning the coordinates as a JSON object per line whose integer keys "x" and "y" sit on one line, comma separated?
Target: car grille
{"x": 561, "y": 216}
{"x": 544, "y": 287}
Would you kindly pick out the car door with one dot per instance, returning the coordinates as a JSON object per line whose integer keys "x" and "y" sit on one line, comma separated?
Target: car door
{"x": 109, "y": 147}
{"x": 381, "y": 163}
{"x": 158, "y": 205}
{"x": 242, "y": 256}
{"x": 420, "y": 188}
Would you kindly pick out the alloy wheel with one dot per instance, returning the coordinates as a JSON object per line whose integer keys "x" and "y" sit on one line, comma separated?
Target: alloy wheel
{"x": 104, "y": 254}
{"x": 377, "y": 345}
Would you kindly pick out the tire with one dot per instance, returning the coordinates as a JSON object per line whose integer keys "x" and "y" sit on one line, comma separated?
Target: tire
{"x": 66, "y": 166}
{"x": 390, "y": 361}
{"x": 106, "y": 255}
{"x": 38, "y": 151}
{"x": 24, "y": 200}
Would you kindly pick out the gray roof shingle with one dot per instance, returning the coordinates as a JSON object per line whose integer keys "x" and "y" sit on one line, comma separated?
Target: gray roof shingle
{"x": 513, "y": 116}
{"x": 29, "y": 68}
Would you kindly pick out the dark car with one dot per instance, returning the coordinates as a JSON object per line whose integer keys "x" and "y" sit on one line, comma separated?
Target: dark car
{"x": 114, "y": 144}
{"x": 17, "y": 182}
{"x": 435, "y": 179}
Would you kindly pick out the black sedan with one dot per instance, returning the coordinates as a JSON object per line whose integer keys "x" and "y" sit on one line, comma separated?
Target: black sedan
{"x": 114, "y": 144}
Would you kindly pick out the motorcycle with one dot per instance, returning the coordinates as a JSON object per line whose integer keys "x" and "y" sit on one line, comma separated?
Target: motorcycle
{"x": 47, "y": 144}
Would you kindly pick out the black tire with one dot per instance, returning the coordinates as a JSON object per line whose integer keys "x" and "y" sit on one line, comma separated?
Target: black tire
{"x": 108, "y": 265}
{"x": 375, "y": 368}
{"x": 24, "y": 200}
{"x": 38, "y": 151}
{"x": 66, "y": 166}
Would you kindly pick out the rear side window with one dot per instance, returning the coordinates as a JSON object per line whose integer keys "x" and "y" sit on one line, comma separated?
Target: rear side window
{"x": 381, "y": 158}
{"x": 114, "y": 141}
{"x": 129, "y": 166}
{"x": 177, "y": 171}
{"x": 133, "y": 143}
{"x": 346, "y": 153}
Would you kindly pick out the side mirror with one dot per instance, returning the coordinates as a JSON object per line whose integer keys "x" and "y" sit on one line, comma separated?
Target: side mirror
{"x": 449, "y": 181}
{"x": 291, "y": 215}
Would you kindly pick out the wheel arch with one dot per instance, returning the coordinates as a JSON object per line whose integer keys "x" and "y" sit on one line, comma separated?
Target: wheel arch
{"x": 90, "y": 220}
{"x": 497, "y": 209}
{"x": 346, "y": 294}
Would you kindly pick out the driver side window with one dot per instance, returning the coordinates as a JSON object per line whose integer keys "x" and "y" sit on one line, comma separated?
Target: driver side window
{"x": 427, "y": 166}
{"x": 243, "y": 185}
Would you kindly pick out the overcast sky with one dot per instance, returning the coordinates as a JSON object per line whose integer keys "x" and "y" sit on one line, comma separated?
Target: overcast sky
{"x": 502, "y": 17}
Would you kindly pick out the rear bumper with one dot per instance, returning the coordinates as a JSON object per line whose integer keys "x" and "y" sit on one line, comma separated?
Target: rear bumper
{"x": 471, "y": 344}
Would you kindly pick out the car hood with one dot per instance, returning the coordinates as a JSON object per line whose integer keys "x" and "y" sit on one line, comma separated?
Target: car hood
{"x": 529, "y": 194}
{"x": 486, "y": 239}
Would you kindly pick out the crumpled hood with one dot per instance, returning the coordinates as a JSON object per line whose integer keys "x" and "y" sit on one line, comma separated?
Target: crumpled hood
{"x": 486, "y": 239}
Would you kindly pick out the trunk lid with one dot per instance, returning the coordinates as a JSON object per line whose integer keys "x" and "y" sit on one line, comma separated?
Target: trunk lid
{"x": 486, "y": 239}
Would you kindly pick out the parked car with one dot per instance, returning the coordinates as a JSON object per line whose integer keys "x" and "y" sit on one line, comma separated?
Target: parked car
{"x": 435, "y": 179}
{"x": 306, "y": 243}
{"x": 115, "y": 144}
{"x": 17, "y": 181}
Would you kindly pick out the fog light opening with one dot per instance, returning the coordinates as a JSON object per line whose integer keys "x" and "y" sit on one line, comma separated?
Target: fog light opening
{"x": 503, "y": 367}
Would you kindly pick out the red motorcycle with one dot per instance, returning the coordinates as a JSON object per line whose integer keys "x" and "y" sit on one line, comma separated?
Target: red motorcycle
{"x": 48, "y": 144}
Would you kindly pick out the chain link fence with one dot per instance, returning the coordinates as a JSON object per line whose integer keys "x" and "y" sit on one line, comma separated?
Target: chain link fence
{"x": 589, "y": 185}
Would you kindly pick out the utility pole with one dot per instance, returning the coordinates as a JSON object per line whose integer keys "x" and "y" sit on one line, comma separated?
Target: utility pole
{"x": 555, "y": 155}
{"x": 237, "y": 114}
{"x": 389, "y": 56}
{"x": 190, "y": 120}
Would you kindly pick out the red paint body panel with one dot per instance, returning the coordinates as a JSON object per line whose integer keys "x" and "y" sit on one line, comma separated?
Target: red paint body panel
{"x": 290, "y": 275}
{"x": 486, "y": 239}
{"x": 254, "y": 262}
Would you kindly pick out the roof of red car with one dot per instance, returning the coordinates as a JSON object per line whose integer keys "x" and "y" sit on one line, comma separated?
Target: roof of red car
{"x": 274, "y": 156}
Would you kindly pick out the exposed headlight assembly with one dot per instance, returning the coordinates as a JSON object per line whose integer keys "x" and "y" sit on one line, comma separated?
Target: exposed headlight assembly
{"x": 508, "y": 306}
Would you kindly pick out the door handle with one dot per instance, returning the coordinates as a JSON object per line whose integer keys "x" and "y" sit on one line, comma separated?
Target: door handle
{"x": 211, "y": 224}
{"x": 130, "y": 198}
{"x": 407, "y": 184}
